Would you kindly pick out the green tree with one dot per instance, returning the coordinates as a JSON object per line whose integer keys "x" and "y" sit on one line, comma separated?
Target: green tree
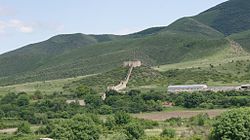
{"x": 23, "y": 100}
{"x": 24, "y": 128}
{"x": 38, "y": 95}
{"x": 93, "y": 100}
{"x": 1, "y": 114}
{"x": 82, "y": 91}
{"x": 234, "y": 124}
{"x": 9, "y": 98}
{"x": 199, "y": 120}
{"x": 122, "y": 118}
{"x": 134, "y": 131}
{"x": 193, "y": 100}
{"x": 80, "y": 127}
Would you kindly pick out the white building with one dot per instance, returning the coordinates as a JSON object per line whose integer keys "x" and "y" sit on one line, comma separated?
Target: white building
{"x": 187, "y": 88}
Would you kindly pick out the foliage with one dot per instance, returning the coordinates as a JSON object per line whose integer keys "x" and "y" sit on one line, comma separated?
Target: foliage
{"x": 122, "y": 118}
{"x": 134, "y": 131}
{"x": 81, "y": 127}
{"x": 210, "y": 100}
{"x": 225, "y": 16}
{"x": 234, "y": 124}
{"x": 72, "y": 55}
{"x": 24, "y": 128}
{"x": 133, "y": 101}
{"x": 199, "y": 120}
{"x": 168, "y": 132}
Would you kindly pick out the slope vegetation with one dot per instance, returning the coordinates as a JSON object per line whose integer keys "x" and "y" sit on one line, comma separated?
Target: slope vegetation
{"x": 189, "y": 39}
{"x": 229, "y": 17}
{"x": 167, "y": 46}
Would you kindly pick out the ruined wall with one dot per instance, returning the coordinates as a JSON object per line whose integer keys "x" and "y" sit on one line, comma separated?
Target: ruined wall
{"x": 123, "y": 84}
{"x": 135, "y": 63}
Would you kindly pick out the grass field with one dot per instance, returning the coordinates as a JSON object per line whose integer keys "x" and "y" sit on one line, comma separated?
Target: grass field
{"x": 46, "y": 87}
{"x": 232, "y": 54}
{"x": 161, "y": 116}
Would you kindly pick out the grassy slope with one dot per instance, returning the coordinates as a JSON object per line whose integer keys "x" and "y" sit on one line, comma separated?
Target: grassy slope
{"x": 157, "y": 46}
{"x": 183, "y": 43}
{"x": 243, "y": 38}
{"x": 234, "y": 72}
{"x": 229, "y": 17}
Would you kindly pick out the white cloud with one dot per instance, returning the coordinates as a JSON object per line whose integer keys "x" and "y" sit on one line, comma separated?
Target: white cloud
{"x": 26, "y": 29}
{"x": 21, "y": 26}
{"x": 15, "y": 24}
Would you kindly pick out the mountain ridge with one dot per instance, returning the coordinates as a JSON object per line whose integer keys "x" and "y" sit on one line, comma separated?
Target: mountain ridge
{"x": 70, "y": 55}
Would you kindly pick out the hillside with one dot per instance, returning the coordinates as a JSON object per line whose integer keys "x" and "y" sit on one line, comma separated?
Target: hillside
{"x": 164, "y": 47}
{"x": 189, "y": 39}
{"x": 229, "y": 17}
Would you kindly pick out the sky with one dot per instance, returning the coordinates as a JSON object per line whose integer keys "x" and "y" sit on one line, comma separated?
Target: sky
{"x": 23, "y": 22}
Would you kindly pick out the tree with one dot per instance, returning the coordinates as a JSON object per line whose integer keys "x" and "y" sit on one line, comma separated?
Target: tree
{"x": 93, "y": 100}
{"x": 134, "y": 131}
{"x": 24, "y": 128}
{"x": 37, "y": 95}
{"x": 9, "y": 98}
{"x": 76, "y": 129}
{"x": 168, "y": 132}
{"x": 1, "y": 114}
{"x": 23, "y": 100}
{"x": 234, "y": 124}
{"x": 193, "y": 100}
{"x": 122, "y": 118}
{"x": 199, "y": 120}
{"x": 82, "y": 91}
{"x": 105, "y": 109}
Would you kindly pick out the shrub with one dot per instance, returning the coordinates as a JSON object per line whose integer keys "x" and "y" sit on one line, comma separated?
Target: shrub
{"x": 134, "y": 131}
{"x": 24, "y": 128}
{"x": 199, "y": 120}
{"x": 234, "y": 124}
{"x": 168, "y": 132}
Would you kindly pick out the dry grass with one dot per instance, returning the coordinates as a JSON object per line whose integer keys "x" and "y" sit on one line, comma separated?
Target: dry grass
{"x": 161, "y": 116}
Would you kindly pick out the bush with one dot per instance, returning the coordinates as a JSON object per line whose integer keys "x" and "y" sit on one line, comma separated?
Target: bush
{"x": 199, "y": 120}
{"x": 80, "y": 127}
{"x": 122, "y": 118}
{"x": 168, "y": 132}
{"x": 175, "y": 121}
{"x": 134, "y": 131}
{"x": 233, "y": 124}
{"x": 24, "y": 128}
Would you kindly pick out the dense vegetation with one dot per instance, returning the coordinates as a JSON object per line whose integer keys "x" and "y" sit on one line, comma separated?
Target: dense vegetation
{"x": 78, "y": 54}
{"x": 234, "y": 124}
{"x": 187, "y": 39}
{"x": 59, "y": 115}
{"x": 231, "y": 73}
{"x": 211, "y": 100}
{"x": 38, "y": 115}
{"x": 226, "y": 16}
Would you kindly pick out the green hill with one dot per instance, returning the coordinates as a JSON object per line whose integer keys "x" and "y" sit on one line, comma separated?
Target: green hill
{"x": 163, "y": 47}
{"x": 187, "y": 39}
{"x": 229, "y": 17}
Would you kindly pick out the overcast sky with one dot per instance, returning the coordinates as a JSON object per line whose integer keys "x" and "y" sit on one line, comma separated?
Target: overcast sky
{"x": 28, "y": 21}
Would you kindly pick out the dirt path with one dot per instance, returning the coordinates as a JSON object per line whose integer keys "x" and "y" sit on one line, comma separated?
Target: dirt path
{"x": 8, "y": 130}
{"x": 161, "y": 116}
{"x": 12, "y": 130}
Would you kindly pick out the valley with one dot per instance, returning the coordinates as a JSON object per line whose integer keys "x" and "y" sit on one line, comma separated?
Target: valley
{"x": 187, "y": 80}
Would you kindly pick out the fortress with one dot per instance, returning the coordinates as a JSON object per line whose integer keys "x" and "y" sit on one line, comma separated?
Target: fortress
{"x": 134, "y": 64}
